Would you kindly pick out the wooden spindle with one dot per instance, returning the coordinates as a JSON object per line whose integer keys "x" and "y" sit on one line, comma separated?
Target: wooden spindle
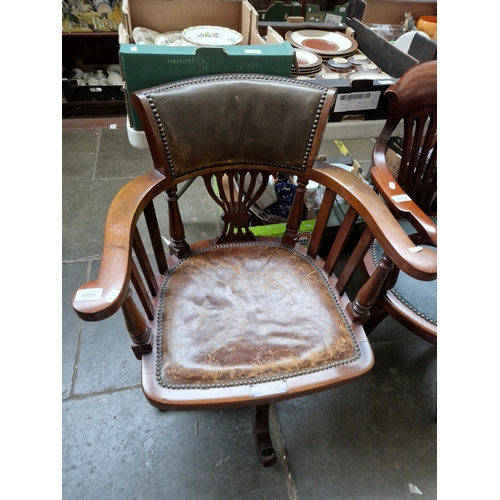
{"x": 143, "y": 259}
{"x": 295, "y": 216}
{"x": 359, "y": 309}
{"x": 178, "y": 245}
{"x": 137, "y": 328}
{"x": 155, "y": 236}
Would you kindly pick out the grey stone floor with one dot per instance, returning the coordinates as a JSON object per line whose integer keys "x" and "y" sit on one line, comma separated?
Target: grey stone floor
{"x": 371, "y": 440}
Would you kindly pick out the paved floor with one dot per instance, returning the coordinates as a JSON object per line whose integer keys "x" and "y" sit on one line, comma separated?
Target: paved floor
{"x": 374, "y": 439}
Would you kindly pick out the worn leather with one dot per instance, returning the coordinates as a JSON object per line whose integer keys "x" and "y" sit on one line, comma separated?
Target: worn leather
{"x": 248, "y": 311}
{"x": 240, "y": 109}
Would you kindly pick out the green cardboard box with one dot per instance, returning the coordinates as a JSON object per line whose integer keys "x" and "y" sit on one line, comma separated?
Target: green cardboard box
{"x": 313, "y": 14}
{"x": 279, "y": 11}
{"x": 145, "y": 66}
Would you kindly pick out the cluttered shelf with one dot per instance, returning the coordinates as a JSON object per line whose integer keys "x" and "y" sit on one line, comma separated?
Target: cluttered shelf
{"x": 88, "y": 53}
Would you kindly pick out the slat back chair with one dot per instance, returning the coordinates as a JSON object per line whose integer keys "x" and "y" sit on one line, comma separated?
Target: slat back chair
{"x": 411, "y": 196}
{"x": 238, "y": 320}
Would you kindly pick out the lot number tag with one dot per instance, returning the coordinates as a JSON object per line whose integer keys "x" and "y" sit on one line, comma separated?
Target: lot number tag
{"x": 88, "y": 294}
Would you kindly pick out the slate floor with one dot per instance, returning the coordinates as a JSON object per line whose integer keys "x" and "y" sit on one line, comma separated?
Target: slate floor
{"x": 371, "y": 440}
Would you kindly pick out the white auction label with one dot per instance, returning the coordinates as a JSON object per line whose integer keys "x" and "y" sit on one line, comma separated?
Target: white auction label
{"x": 357, "y": 101}
{"x": 252, "y": 51}
{"x": 269, "y": 388}
{"x": 401, "y": 197}
{"x": 88, "y": 294}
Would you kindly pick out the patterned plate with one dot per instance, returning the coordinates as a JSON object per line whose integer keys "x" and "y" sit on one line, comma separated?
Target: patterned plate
{"x": 211, "y": 36}
{"x": 324, "y": 43}
{"x": 168, "y": 38}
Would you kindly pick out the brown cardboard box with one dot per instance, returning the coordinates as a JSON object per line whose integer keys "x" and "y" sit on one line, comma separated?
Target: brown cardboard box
{"x": 145, "y": 66}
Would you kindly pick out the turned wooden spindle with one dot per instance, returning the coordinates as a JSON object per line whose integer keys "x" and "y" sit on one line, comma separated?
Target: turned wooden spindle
{"x": 295, "y": 216}
{"x": 178, "y": 245}
{"x": 139, "y": 332}
{"x": 359, "y": 309}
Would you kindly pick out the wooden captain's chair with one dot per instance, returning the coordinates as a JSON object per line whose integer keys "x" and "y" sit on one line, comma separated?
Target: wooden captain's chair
{"x": 238, "y": 320}
{"x": 410, "y": 192}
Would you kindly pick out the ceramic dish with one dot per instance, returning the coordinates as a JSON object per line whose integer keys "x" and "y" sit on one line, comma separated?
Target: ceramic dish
{"x": 144, "y": 36}
{"x": 404, "y": 41}
{"x": 369, "y": 67}
{"x": 339, "y": 63}
{"x": 211, "y": 36}
{"x": 356, "y": 59}
{"x": 325, "y": 43}
{"x": 307, "y": 59}
{"x": 307, "y": 73}
{"x": 168, "y": 38}
{"x": 331, "y": 76}
{"x": 182, "y": 43}
{"x": 115, "y": 68}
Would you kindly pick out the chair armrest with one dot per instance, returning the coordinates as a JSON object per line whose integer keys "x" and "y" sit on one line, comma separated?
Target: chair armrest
{"x": 385, "y": 228}
{"x": 388, "y": 188}
{"x": 112, "y": 283}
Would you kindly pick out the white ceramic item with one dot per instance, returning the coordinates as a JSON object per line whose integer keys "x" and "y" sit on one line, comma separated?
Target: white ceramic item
{"x": 306, "y": 59}
{"x": 115, "y": 68}
{"x": 210, "y": 36}
{"x": 77, "y": 73}
{"x": 144, "y": 36}
{"x": 168, "y": 38}
{"x": 404, "y": 41}
{"x": 103, "y": 6}
{"x": 114, "y": 78}
{"x": 358, "y": 59}
{"x": 322, "y": 42}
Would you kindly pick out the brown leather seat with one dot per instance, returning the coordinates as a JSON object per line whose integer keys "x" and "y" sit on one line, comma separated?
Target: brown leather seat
{"x": 248, "y": 311}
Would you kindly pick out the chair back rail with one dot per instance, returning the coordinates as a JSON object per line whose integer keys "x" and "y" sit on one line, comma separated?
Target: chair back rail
{"x": 412, "y": 99}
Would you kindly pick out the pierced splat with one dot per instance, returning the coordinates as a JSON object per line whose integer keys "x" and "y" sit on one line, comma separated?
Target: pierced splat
{"x": 237, "y": 192}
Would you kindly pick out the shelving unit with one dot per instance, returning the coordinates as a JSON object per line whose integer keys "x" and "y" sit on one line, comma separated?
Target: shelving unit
{"x": 91, "y": 48}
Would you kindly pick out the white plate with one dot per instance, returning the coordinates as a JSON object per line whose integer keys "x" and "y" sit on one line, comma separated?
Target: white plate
{"x": 404, "y": 41}
{"x": 323, "y": 42}
{"x": 306, "y": 59}
{"x": 358, "y": 59}
{"x": 168, "y": 38}
{"x": 144, "y": 36}
{"x": 211, "y": 36}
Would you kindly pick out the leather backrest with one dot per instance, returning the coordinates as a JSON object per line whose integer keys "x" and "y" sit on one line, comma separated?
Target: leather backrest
{"x": 228, "y": 120}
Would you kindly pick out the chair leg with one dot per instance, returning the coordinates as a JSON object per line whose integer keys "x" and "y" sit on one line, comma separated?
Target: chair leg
{"x": 260, "y": 424}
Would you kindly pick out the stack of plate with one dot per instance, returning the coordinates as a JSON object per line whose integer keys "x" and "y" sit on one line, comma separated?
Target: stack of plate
{"x": 210, "y": 36}
{"x": 205, "y": 36}
{"x": 327, "y": 44}
{"x": 308, "y": 63}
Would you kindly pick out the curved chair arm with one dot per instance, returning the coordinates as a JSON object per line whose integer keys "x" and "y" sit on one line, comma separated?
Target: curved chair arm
{"x": 388, "y": 187}
{"x": 421, "y": 264}
{"x": 114, "y": 273}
